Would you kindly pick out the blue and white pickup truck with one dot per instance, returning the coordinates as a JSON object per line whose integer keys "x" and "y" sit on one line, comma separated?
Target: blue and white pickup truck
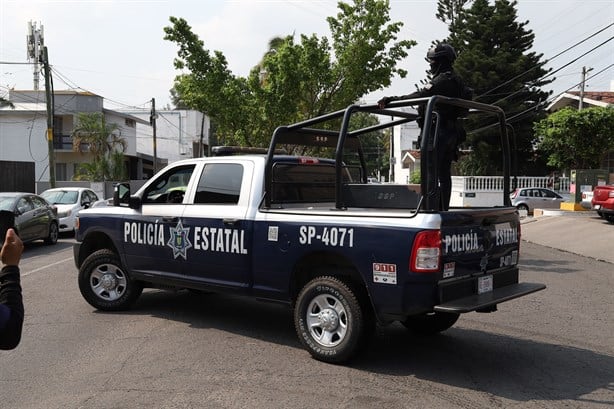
{"x": 309, "y": 231}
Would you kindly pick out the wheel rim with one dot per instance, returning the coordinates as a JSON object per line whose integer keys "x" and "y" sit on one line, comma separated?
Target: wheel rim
{"x": 327, "y": 320}
{"x": 54, "y": 233}
{"x": 108, "y": 282}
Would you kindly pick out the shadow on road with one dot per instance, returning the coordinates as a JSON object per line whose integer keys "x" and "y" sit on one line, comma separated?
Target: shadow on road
{"x": 508, "y": 367}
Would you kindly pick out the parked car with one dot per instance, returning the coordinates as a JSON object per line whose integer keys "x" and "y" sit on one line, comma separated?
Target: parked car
{"x": 68, "y": 201}
{"x": 35, "y": 218}
{"x": 531, "y": 198}
{"x": 603, "y": 201}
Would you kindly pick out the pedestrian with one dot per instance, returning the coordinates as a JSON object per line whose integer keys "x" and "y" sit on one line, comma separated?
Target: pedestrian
{"x": 447, "y": 83}
{"x": 11, "y": 303}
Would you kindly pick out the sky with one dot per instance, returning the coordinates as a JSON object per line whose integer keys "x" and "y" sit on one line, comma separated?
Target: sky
{"x": 115, "y": 48}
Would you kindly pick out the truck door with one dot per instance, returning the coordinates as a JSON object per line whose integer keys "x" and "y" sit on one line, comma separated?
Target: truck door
{"x": 155, "y": 242}
{"x": 218, "y": 226}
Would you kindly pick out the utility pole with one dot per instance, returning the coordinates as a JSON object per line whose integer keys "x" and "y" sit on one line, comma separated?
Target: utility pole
{"x": 392, "y": 157}
{"x": 49, "y": 101}
{"x": 34, "y": 44}
{"x": 152, "y": 121}
{"x": 584, "y": 72}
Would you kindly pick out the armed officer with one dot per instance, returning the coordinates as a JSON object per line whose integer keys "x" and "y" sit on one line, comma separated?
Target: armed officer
{"x": 447, "y": 83}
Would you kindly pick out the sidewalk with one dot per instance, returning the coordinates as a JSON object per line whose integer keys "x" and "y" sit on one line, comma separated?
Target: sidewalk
{"x": 583, "y": 233}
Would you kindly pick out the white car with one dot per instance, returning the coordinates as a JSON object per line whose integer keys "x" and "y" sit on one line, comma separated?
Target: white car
{"x": 587, "y": 197}
{"x": 68, "y": 201}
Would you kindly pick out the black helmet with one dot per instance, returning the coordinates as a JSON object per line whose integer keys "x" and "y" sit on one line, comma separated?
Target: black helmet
{"x": 441, "y": 51}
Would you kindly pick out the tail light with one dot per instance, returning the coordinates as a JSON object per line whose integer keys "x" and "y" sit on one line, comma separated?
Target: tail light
{"x": 514, "y": 194}
{"x": 426, "y": 252}
{"x": 611, "y": 193}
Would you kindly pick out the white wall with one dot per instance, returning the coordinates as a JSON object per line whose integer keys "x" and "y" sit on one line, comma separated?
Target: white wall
{"x": 176, "y": 130}
{"x": 404, "y": 137}
{"x": 23, "y": 138}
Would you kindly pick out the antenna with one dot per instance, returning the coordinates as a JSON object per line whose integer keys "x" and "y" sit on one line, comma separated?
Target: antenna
{"x": 34, "y": 43}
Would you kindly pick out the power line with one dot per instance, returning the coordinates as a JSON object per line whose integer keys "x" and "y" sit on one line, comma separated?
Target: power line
{"x": 557, "y": 70}
{"x": 535, "y": 67}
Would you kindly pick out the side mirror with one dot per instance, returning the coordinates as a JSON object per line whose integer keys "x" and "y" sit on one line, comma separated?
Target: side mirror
{"x": 121, "y": 194}
{"x": 135, "y": 202}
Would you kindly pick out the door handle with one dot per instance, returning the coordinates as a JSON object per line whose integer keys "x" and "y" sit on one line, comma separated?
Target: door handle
{"x": 230, "y": 222}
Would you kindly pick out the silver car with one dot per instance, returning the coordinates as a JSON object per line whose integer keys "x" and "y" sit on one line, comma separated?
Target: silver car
{"x": 68, "y": 201}
{"x": 531, "y": 198}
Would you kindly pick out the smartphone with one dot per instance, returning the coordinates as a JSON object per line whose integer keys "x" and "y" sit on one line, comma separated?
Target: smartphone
{"x": 7, "y": 221}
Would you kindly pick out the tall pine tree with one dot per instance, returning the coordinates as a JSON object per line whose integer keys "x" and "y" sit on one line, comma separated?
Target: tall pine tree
{"x": 496, "y": 60}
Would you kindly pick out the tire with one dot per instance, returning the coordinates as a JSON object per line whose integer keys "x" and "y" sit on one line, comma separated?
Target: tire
{"x": 600, "y": 214}
{"x": 523, "y": 207}
{"x": 105, "y": 285}
{"x": 54, "y": 233}
{"x": 330, "y": 320}
{"x": 609, "y": 217}
{"x": 430, "y": 323}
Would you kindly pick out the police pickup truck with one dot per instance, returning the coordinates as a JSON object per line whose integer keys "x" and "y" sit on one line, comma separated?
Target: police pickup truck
{"x": 309, "y": 231}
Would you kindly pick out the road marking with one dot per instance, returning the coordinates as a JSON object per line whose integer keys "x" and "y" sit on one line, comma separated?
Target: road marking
{"x": 46, "y": 266}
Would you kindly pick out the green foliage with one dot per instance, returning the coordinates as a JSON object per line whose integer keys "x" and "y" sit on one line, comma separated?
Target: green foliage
{"x": 295, "y": 79}
{"x": 494, "y": 58}
{"x": 415, "y": 177}
{"x": 104, "y": 143}
{"x": 6, "y": 103}
{"x": 575, "y": 139}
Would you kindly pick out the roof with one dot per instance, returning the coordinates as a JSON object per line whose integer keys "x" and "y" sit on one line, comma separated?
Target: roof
{"x": 591, "y": 98}
{"x": 22, "y": 108}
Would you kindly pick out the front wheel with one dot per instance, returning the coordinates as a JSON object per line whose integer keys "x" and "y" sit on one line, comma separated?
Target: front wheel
{"x": 330, "y": 320}
{"x": 431, "y": 323}
{"x": 105, "y": 285}
{"x": 523, "y": 207}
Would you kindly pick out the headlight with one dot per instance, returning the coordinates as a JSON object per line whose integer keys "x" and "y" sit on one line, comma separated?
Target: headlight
{"x": 64, "y": 214}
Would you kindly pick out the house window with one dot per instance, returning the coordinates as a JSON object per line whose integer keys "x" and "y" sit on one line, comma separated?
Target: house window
{"x": 130, "y": 123}
{"x": 60, "y": 171}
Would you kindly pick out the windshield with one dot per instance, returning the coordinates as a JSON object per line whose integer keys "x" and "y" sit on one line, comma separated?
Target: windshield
{"x": 7, "y": 202}
{"x": 61, "y": 196}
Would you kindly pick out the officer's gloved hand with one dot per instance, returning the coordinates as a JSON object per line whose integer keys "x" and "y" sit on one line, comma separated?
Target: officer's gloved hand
{"x": 383, "y": 102}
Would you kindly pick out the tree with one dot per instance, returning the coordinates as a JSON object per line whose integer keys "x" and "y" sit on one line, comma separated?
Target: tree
{"x": 296, "y": 78}
{"x": 577, "y": 139}
{"x": 104, "y": 143}
{"x": 494, "y": 59}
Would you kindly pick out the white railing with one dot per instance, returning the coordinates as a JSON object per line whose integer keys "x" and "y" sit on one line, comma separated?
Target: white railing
{"x": 495, "y": 183}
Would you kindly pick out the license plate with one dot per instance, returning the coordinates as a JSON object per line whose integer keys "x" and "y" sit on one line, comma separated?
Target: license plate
{"x": 484, "y": 284}
{"x": 597, "y": 207}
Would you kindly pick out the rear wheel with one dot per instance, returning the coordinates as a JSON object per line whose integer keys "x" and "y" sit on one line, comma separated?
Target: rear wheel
{"x": 431, "y": 323}
{"x": 54, "y": 233}
{"x": 609, "y": 217}
{"x": 105, "y": 285}
{"x": 331, "y": 321}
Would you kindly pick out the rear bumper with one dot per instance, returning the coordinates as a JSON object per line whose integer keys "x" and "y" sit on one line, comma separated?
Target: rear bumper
{"x": 496, "y": 296}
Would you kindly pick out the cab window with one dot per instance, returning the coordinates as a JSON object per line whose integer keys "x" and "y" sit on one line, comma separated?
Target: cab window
{"x": 220, "y": 183}
{"x": 170, "y": 187}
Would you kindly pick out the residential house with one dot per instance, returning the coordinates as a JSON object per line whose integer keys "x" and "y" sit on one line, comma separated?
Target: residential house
{"x": 404, "y": 139}
{"x": 23, "y": 133}
{"x": 180, "y": 134}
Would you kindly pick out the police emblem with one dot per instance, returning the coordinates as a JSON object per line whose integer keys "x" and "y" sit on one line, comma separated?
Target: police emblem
{"x": 179, "y": 241}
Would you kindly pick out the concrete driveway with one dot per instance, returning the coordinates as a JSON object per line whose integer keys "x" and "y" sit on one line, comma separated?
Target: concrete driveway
{"x": 583, "y": 233}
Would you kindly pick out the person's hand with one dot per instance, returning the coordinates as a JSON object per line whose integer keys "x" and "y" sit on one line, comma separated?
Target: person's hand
{"x": 383, "y": 102}
{"x": 12, "y": 249}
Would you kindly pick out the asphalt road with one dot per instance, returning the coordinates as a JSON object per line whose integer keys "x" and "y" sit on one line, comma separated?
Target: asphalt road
{"x": 551, "y": 349}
